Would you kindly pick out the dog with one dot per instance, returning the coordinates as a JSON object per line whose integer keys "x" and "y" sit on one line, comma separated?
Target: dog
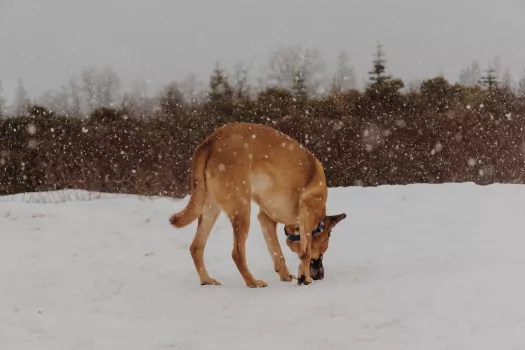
{"x": 243, "y": 162}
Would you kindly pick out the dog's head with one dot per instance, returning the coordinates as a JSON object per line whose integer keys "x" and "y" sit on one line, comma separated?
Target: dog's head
{"x": 320, "y": 242}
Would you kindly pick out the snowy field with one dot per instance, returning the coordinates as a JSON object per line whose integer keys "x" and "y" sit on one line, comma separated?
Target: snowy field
{"x": 418, "y": 267}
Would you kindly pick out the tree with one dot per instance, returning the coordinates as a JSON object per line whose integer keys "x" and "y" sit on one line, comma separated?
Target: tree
{"x": 137, "y": 103}
{"x": 496, "y": 64}
{"x": 470, "y": 75}
{"x": 506, "y": 79}
{"x": 242, "y": 87}
{"x": 88, "y": 88}
{"x": 75, "y": 105}
{"x": 299, "y": 87}
{"x": 377, "y": 74}
{"x": 193, "y": 90}
{"x": 521, "y": 86}
{"x": 56, "y": 100}
{"x": 21, "y": 102}
{"x": 489, "y": 80}
{"x": 220, "y": 88}
{"x": 172, "y": 99}
{"x": 344, "y": 78}
{"x": 2, "y": 101}
{"x": 285, "y": 63}
{"x": 437, "y": 93}
{"x": 106, "y": 88}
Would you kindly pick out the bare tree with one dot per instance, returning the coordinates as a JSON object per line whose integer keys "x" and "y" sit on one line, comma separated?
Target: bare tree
{"x": 344, "y": 77}
{"x": 56, "y": 100}
{"x": 106, "y": 88}
{"x": 193, "y": 90}
{"x": 2, "y": 101}
{"x": 288, "y": 62}
{"x": 241, "y": 85}
{"x": 88, "y": 89}
{"x": 139, "y": 103}
{"x": 75, "y": 104}
{"x": 506, "y": 79}
{"x": 470, "y": 75}
{"x": 21, "y": 102}
{"x": 521, "y": 86}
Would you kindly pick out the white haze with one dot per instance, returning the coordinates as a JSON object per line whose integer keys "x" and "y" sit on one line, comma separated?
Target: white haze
{"x": 163, "y": 40}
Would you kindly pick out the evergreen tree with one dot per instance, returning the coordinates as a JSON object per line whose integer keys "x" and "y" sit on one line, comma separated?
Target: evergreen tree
{"x": 172, "y": 99}
{"x": 299, "y": 87}
{"x": 489, "y": 80}
{"x": 377, "y": 74}
{"x": 220, "y": 88}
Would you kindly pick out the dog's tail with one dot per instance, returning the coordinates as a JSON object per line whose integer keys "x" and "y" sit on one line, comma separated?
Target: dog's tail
{"x": 198, "y": 188}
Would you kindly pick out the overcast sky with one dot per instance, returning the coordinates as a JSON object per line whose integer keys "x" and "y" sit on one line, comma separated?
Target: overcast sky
{"x": 42, "y": 42}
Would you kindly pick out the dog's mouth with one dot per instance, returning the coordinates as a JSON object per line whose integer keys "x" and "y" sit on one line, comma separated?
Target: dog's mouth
{"x": 316, "y": 269}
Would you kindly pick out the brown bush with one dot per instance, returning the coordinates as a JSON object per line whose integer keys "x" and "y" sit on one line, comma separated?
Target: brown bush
{"x": 381, "y": 136}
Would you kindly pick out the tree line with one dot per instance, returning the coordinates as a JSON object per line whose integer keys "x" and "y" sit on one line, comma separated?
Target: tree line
{"x": 390, "y": 132}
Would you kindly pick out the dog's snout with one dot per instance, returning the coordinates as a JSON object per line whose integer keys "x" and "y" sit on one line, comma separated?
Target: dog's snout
{"x": 316, "y": 263}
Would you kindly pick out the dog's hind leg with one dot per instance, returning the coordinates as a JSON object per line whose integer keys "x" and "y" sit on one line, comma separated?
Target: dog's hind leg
{"x": 240, "y": 220}
{"x": 209, "y": 215}
{"x": 269, "y": 228}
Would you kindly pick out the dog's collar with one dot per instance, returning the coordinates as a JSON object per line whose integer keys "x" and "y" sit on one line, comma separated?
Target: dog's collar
{"x": 296, "y": 238}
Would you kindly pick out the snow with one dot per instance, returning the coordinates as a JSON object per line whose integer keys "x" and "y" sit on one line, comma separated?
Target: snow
{"x": 411, "y": 267}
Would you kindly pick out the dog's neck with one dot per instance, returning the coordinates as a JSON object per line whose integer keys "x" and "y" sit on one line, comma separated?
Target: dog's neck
{"x": 296, "y": 238}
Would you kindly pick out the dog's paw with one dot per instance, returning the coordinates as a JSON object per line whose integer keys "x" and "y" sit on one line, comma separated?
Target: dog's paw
{"x": 257, "y": 284}
{"x": 210, "y": 282}
{"x": 304, "y": 281}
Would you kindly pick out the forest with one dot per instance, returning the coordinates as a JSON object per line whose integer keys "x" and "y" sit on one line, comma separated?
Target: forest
{"x": 89, "y": 135}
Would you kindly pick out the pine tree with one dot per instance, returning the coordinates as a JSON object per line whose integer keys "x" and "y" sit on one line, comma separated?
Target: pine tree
{"x": 299, "y": 87}
{"x": 377, "y": 74}
{"x": 489, "y": 80}
{"x": 220, "y": 88}
{"x": 172, "y": 99}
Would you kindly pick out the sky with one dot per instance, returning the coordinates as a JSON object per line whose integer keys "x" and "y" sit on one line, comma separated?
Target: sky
{"x": 43, "y": 42}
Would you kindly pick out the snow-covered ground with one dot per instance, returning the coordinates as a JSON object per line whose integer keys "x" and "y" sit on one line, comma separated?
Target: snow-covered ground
{"x": 418, "y": 267}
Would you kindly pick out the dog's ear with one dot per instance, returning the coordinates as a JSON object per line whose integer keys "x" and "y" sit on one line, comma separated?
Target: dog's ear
{"x": 335, "y": 219}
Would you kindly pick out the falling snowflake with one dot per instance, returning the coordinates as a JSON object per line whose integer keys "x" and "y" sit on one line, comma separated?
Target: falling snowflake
{"x": 31, "y": 129}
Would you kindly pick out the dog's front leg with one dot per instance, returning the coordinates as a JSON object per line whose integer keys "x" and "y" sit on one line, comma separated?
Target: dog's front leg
{"x": 306, "y": 226}
{"x": 304, "y": 266}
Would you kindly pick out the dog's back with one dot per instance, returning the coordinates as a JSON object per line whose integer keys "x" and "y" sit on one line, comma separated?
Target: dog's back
{"x": 275, "y": 168}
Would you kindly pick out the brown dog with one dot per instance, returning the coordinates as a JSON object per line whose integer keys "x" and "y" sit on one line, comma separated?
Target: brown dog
{"x": 242, "y": 162}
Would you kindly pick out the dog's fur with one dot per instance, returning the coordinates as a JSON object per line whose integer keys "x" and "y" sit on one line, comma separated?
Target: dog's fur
{"x": 242, "y": 162}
